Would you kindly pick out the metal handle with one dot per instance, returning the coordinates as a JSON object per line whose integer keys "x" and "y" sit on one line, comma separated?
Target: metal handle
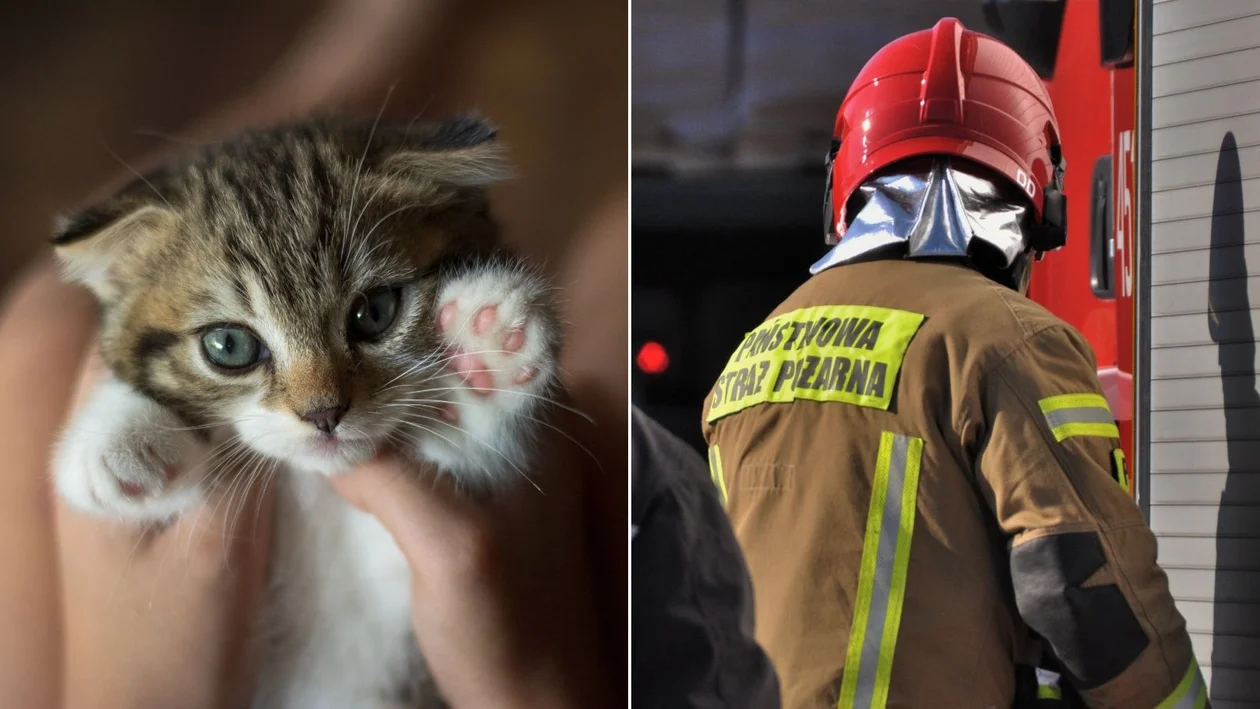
{"x": 1101, "y": 241}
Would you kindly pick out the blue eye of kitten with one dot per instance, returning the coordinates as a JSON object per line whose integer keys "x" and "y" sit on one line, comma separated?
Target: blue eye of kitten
{"x": 232, "y": 347}
{"x": 372, "y": 315}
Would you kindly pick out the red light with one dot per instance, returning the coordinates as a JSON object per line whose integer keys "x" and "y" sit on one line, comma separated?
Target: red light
{"x": 652, "y": 358}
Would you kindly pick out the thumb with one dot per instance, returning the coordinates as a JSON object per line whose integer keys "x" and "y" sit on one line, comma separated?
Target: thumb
{"x": 428, "y": 518}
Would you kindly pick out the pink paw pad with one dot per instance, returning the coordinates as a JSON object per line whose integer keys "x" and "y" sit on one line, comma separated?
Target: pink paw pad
{"x": 514, "y": 341}
{"x": 484, "y": 319}
{"x": 473, "y": 370}
{"x": 446, "y": 316}
{"x": 490, "y": 344}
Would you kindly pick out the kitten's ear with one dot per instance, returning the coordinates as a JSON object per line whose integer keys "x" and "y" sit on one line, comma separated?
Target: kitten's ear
{"x": 92, "y": 244}
{"x": 460, "y": 152}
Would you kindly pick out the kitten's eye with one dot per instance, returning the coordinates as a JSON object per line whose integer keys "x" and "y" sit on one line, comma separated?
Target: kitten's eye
{"x": 372, "y": 315}
{"x": 232, "y": 347}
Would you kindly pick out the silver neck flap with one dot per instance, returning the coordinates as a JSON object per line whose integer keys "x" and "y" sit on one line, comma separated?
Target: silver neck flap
{"x": 934, "y": 213}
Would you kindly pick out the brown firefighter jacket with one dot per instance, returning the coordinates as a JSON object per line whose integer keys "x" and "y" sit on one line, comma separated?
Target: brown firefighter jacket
{"x": 923, "y": 477}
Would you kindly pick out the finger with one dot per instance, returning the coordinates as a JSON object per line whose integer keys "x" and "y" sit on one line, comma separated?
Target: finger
{"x": 178, "y": 606}
{"x": 236, "y": 534}
{"x": 43, "y": 329}
{"x": 91, "y": 371}
{"x": 434, "y": 525}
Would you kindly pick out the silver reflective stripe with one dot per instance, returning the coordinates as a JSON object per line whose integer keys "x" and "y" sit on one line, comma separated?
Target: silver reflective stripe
{"x": 882, "y": 578}
{"x": 1083, "y": 414}
{"x": 884, "y": 559}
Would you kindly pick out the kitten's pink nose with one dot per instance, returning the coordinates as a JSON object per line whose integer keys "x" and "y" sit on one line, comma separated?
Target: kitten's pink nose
{"x": 325, "y": 419}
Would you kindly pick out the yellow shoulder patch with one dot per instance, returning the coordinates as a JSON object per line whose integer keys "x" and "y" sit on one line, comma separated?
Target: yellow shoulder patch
{"x": 845, "y": 353}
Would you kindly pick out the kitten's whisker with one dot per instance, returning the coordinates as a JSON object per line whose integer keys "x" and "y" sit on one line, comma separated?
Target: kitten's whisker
{"x": 217, "y": 459}
{"x": 358, "y": 170}
{"x": 430, "y": 404}
{"x": 364, "y": 259}
{"x": 482, "y": 442}
{"x": 433, "y": 360}
{"x": 136, "y": 172}
{"x": 549, "y": 400}
{"x": 405, "y": 207}
{"x": 409, "y": 370}
{"x": 234, "y": 446}
{"x": 435, "y": 364}
{"x": 222, "y": 422}
{"x": 271, "y": 476}
{"x": 575, "y": 441}
{"x": 256, "y": 473}
{"x": 201, "y": 526}
{"x": 233, "y": 515}
{"x": 241, "y": 458}
{"x": 354, "y": 228}
{"x": 149, "y": 133}
{"x": 239, "y": 478}
{"x": 476, "y": 371}
{"x": 424, "y": 403}
{"x": 243, "y": 452}
{"x": 423, "y": 108}
{"x": 226, "y": 498}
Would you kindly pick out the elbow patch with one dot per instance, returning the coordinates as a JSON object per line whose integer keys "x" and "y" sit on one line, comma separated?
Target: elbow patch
{"x": 1092, "y": 630}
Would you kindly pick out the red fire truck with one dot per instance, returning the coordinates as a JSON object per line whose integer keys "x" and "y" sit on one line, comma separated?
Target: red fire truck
{"x": 1091, "y": 81}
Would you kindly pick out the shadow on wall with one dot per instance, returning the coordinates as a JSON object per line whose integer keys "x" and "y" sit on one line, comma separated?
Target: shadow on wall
{"x": 1237, "y": 592}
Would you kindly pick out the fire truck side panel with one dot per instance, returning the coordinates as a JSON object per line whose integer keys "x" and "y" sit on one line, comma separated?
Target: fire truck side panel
{"x": 1201, "y": 312}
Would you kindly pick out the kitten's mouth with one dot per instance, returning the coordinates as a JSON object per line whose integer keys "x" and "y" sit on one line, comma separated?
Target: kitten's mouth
{"x": 332, "y": 454}
{"x": 329, "y": 445}
{"x": 333, "y": 445}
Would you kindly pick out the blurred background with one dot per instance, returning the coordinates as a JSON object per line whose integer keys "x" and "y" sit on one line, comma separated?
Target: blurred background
{"x": 733, "y": 103}
{"x": 86, "y": 79}
{"x": 93, "y": 87}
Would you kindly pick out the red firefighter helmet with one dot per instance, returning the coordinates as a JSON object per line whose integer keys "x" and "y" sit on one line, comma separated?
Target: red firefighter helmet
{"x": 950, "y": 91}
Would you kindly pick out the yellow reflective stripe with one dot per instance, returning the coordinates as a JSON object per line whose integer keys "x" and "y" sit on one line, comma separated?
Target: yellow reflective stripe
{"x": 1079, "y": 415}
{"x": 1073, "y": 401}
{"x": 882, "y": 580}
{"x": 1191, "y": 692}
{"x": 1122, "y": 473}
{"x": 1099, "y": 430}
{"x": 715, "y": 470}
{"x": 841, "y": 353}
{"x": 1047, "y": 691}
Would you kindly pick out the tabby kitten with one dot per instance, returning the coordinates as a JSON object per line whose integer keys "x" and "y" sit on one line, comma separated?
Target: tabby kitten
{"x": 298, "y": 298}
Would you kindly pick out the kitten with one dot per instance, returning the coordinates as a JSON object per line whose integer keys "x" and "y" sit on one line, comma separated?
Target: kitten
{"x": 300, "y": 297}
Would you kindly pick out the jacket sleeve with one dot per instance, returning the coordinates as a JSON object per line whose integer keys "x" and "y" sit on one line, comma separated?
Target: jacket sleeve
{"x": 1082, "y": 558}
{"x": 694, "y": 643}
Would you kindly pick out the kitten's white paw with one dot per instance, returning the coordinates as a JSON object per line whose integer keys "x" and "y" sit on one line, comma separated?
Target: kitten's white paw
{"x": 124, "y": 456}
{"x": 500, "y": 345}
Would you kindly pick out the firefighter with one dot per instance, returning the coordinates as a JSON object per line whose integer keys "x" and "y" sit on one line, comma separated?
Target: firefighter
{"x": 918, "y": 461}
